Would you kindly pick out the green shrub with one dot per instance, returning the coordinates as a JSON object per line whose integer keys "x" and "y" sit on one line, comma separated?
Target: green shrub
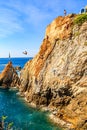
{"x": 10, "y": 125}
{"x": 5, "y": 125}
{"x": 80, "y": 19}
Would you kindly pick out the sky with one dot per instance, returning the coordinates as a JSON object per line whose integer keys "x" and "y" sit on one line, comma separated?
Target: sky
{"x": 23, "y": 23}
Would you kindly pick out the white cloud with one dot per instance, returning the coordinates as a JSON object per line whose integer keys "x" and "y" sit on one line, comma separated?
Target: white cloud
{"x": 15, "y": 14}
{"x": 18, "y": 13}
{"x": 35, "y": 16}
{"x": 9, "y": 22}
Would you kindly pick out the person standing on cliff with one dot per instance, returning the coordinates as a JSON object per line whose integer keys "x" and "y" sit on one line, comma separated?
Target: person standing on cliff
{"x": 64, "y": 12}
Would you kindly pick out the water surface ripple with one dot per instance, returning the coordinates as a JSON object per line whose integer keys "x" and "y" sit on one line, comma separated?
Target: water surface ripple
{"x": 19, "y": 112}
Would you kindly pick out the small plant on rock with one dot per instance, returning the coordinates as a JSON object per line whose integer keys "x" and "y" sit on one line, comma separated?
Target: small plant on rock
{"x": 5, "y": 125}
{"x": 80, "y": 19}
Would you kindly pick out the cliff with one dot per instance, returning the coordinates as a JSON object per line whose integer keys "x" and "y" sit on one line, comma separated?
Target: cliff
{"x": 56, "y": 77}
{"x": 9, "y": 77}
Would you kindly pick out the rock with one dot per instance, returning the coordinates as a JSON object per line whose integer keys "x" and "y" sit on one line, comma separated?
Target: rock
{"x": 1, "y": 127}
{"x": 9, "y": 77}
{"x": 18, "y": 68}
{"x": 57, "y": 76}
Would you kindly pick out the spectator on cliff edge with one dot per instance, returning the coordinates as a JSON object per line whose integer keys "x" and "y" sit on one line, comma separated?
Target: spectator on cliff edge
{"x": 64, "y": 12}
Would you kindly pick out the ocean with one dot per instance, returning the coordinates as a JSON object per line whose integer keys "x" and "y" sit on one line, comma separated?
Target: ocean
{"x": 18, "y": 112}
{"x": 16, "y": 62}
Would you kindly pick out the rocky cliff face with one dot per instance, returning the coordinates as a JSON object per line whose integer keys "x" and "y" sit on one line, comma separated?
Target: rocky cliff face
{"x": 9, "y": 77}
{"x": 57, "y": 75}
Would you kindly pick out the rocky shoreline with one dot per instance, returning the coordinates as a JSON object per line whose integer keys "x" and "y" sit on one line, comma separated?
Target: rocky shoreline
{"x": 51, "y": 116}
{"x": 55, "y": 79}
{"x": 54, "y": 119}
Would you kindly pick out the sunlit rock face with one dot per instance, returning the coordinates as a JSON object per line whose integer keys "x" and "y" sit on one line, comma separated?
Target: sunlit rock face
{"x": 57, "y": 76}
{"x": 9, "y": 77}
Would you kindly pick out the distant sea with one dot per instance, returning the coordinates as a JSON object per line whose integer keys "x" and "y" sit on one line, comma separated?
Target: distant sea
{"x": 17, "y": 110}
{"x": 16, "y": 62}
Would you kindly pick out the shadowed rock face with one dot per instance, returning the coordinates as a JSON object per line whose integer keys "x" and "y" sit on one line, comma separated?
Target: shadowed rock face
{"x": 57, "y": 75}
{"x": 9, "y": 77}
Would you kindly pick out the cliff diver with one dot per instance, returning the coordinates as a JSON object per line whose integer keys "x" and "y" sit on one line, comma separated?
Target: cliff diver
{"x": 25, "y": 52}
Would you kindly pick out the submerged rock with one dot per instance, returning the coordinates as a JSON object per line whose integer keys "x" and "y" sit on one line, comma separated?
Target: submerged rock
{"x": 57, "y": 76}
{"x": 9, "y": 77}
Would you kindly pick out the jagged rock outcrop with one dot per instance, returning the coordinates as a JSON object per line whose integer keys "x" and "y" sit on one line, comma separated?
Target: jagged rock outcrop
{"x": 57, "y": 76}
{"x": 9, "y": 77}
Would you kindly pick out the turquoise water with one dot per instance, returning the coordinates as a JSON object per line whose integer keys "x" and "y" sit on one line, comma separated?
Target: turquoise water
{"x": 17, "y": 110}
{"x": 22, "y": 116}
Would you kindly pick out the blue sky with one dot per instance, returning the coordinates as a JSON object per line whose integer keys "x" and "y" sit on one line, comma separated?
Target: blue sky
{"x": 23, "y": 23}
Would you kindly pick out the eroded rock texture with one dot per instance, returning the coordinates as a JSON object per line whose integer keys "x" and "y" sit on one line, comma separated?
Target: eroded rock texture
{"x": 57, "y": 75}
{"x": 9, "y": 77}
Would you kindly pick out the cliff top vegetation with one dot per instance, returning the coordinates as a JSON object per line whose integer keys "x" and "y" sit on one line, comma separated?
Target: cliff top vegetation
{"x": 80, "y": 19}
